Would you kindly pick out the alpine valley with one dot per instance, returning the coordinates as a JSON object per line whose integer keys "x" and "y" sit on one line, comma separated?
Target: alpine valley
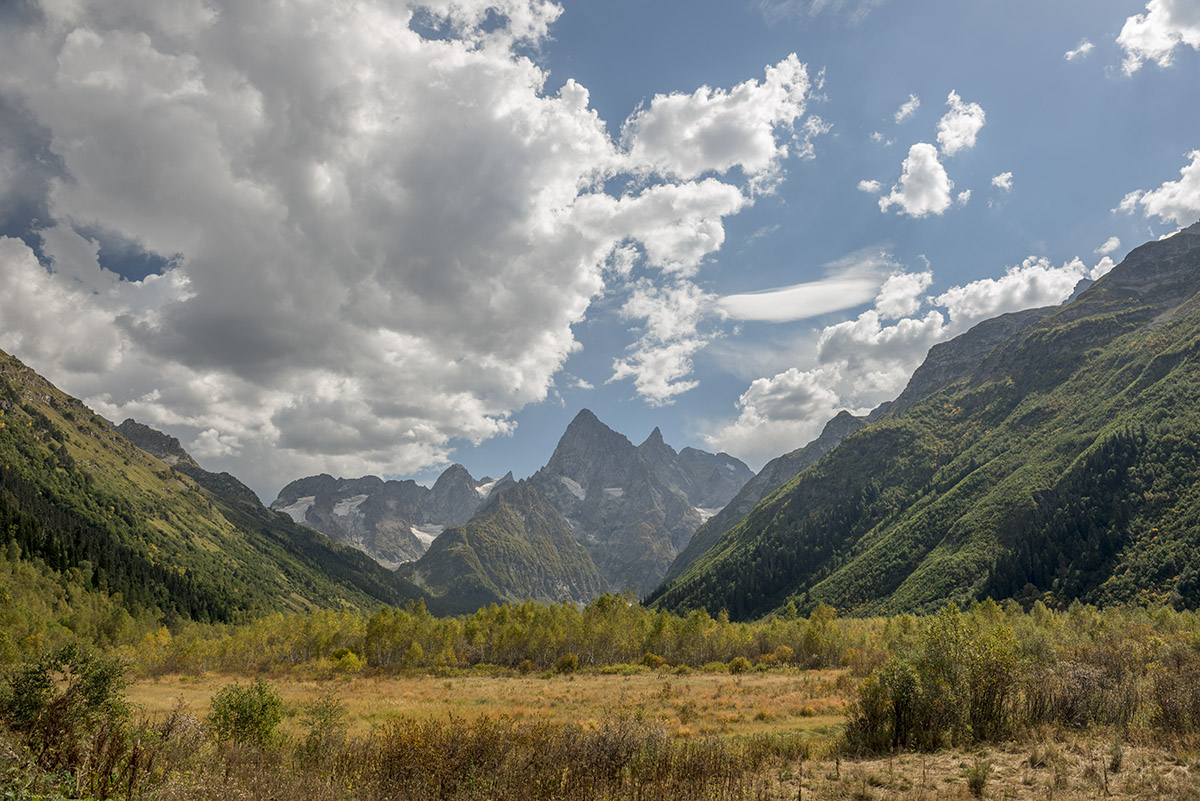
{"x": 1045, "y": 455}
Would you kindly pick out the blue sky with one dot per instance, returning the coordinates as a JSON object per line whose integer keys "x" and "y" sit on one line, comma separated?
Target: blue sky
{"x": 379, "y": 237}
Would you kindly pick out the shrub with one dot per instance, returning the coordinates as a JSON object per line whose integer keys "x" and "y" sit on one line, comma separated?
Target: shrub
{"x": 739, "y": 664}
{"x": 653, "y": 661}
{"x": 978, "y": 775}
{"x": 325, "y": 720}
{"x": 246, "y": 715}
{"x": 57, "y": 702}
{"x": 348, "y": 662}
{"x": 956, "y": 684}
{"x": 567, "y": 663}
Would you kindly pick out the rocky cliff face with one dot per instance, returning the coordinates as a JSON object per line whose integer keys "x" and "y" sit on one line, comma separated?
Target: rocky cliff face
{"x": 707, "y": 480}
{"x": 631, "y": 522}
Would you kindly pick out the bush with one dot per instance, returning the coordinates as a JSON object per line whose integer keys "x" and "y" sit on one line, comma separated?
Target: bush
{"x": 57, "y": 702}
{"x": 246, "y": 715}
{"x": 957, "y": 684}
{"x": 567, "y": 663}
{"x": 653, "y": 661}
{"x": 739, "y": 664}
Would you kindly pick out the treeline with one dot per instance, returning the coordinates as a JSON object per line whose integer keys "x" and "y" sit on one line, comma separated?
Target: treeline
{"x": 617, "y": 631}
{"x": 612, "y": 630}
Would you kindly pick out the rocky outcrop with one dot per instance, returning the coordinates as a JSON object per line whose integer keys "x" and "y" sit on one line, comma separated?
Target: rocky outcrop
{"x": 708, "y": 480}
{"x": 168, "y": 450}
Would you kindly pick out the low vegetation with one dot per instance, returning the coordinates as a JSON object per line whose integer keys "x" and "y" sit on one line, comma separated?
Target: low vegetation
{"x": 990, "y": 702}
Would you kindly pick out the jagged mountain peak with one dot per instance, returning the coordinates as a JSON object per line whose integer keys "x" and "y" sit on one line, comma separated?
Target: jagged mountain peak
{"x": 655, "y": 438}
{"x": 455, "y": 472}
{"x": 584, "y": 444}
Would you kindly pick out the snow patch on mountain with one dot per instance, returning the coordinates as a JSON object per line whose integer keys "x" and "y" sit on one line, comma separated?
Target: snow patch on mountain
{"x": 574, "y": 487}
{"x": 299, "y": 509}
{"x": 427, "y": 533}
{"x": 348, "y": 506}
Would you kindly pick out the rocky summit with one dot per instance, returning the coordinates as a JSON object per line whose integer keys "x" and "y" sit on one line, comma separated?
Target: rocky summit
{"x": 629, "y": 506}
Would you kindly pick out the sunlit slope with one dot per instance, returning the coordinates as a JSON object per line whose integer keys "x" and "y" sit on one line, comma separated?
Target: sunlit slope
{"x": 75, "y": 493}
{"x": 518, "y": 546}
{"x": 1065, "y": 466}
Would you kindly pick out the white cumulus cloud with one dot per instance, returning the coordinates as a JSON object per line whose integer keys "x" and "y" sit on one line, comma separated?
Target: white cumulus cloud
{"x": 713, "y": 130}
{"x": 1003, "y": 181}
{"x": 1110, "y": 245}
{"x": 864, "y": 361}
{"x": 901, "y": 294}
{"x": 1173, "y": 200}
{"x": 924, "y": 186}
{"x": 1154, "y": 35}
{"x": 960, "y": 126}
{"x": 661, "y": 360}
{"x": 871, "y": 187}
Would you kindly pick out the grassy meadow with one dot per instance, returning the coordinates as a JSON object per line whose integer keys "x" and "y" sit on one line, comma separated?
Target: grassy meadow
{"x": 694, "y": 705}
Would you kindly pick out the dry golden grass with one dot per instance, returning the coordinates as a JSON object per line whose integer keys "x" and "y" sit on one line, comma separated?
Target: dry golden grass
{"x": 1077, "y": 767}
{"x": 690, "y": 705}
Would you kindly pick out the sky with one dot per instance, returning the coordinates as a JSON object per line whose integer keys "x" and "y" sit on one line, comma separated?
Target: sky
{"x": 381, "y": 237}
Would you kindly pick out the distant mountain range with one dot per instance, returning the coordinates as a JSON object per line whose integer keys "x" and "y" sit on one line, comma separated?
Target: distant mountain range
{"x": 392, "y": 521}
{"x": 1047, "y": 455}
{"x": 631, "y": 508}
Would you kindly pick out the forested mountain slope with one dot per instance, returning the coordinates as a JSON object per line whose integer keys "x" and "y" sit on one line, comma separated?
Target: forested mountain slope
{"x": 75, "y": 493}
{"x": 1065, "y": 465}
{"x": 517, "y": 547}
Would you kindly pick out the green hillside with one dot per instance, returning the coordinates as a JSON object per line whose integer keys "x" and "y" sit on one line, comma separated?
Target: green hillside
{"x": 75, "y": 494}
{"x": 1064, "y": 466}
{"x": 517, "y": 547}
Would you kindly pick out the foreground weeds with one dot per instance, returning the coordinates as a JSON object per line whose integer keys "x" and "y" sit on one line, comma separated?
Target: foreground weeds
{"x": 480, "y": 759}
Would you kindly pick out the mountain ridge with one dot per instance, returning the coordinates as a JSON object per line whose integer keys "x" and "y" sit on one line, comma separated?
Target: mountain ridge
{"x": 1003, "y": 481}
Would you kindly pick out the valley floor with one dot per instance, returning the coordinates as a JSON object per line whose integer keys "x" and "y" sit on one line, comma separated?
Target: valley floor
{"x": 796, "y": 714}
{"x": 689, "y": 705}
